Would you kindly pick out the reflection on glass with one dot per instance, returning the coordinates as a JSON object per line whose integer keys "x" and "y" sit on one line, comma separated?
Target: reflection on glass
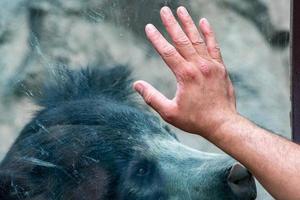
{"x": 101, "y": 148}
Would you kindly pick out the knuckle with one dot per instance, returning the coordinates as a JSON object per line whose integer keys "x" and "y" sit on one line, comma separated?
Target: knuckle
{"x": 170, "y": 115}
{"x": 181, "y": 41}
{"x": 198, "y": 43}
{"x": 205, "y": 68}
{"x": 189, "y": 74}
{"x": 149, "y": 98}
{"x": 209, "y": 33}
{"x": 215, "y": 49}
{"x": 169, "y": 52}
{"x": 188, "y": 21}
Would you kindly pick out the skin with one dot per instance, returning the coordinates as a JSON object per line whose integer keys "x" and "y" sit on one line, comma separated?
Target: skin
{"x": 205, "y": 104}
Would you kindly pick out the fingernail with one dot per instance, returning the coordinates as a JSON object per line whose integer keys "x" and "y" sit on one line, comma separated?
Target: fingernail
{"x": 204, "y": 21}
{"x": 182, "y": 10}
{"x": 166, "y": 11}
{"x": 150, "y": 28}
{"x": 139, "y": 88}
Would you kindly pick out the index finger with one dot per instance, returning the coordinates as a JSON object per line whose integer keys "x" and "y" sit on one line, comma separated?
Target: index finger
{"x": 168, "y": 52}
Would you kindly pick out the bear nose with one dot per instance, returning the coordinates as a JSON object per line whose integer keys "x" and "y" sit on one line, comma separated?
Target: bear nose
{"x": 241, "y": 182}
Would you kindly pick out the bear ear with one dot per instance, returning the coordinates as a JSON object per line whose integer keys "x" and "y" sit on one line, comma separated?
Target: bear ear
{"x": 12, "y": 187}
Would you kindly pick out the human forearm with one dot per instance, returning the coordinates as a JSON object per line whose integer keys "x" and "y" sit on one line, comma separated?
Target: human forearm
{"x": 205, "y": 104}
{"x": 273, "y": 160}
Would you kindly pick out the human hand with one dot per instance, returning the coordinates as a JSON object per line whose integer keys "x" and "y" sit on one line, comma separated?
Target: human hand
{"x": 205, "y": 97}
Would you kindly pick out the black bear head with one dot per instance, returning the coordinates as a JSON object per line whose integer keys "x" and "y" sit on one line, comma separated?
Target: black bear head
{"x": 92, "y": 140}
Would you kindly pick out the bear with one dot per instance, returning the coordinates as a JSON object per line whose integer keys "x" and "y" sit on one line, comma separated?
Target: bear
{"x": 92, "y": 139}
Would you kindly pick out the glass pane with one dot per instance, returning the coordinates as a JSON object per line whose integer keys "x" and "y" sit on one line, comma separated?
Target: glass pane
{"x": 37, "y": 37}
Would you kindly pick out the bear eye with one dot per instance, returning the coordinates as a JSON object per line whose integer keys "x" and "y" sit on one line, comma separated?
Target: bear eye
{"x": 142, "y": 171}
{"x": 141, "y": 168}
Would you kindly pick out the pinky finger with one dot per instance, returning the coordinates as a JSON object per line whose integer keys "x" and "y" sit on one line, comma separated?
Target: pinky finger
{"x": 211, "y": 41}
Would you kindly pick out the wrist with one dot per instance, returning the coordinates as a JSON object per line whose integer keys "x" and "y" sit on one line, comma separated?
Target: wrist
{"x": 222, "y": 131}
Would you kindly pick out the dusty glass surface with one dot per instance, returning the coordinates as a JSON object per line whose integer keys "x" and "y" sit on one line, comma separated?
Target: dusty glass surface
{"x": 37, "y": 36}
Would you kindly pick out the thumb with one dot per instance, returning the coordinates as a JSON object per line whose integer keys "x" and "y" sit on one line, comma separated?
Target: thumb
{"x": 152, "y": 96}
